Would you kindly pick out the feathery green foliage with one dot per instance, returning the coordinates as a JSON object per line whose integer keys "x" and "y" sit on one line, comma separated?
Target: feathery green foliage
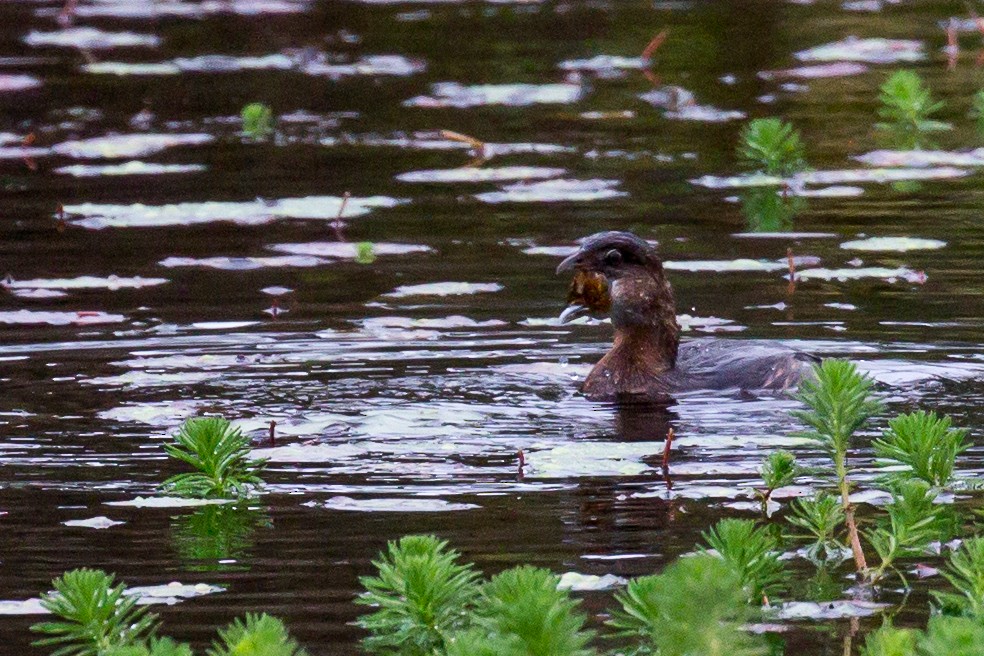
{"x": 257, "y": 635}
{"x": 422, "y": 593}
{"x": 890, "y": 641}
{"x": 750, "y": 552}
{"x": 925, "y": 443}
{"x": 965, "y": 573}
{"x": 216, "y": 533}
{"x": 908, "y": 104}
{"x": 769, "y": 209}
{"x": 779, "y": 469}
{"x": 695, "y": 606}
{"x": 773, "y": 145}
{"x": 952, "y": 636}
{"x": 257, "y": 120}
{"x": 221, "y": 456}
{"x": 154, "y": 647}
{"x": 839, "y": 402}
{"x": 822, "y": 517}
{"x": 95, "y": 615}
{"x": 365, "y": 252}
{"x": 914, "y": 521}
{"x": 524, "y": 614}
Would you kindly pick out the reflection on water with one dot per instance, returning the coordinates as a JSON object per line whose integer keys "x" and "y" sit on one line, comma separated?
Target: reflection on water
{"x": 389, "y": 301}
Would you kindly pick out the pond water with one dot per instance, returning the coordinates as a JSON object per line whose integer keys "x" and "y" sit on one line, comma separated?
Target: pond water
{"x": 160, "y": 265}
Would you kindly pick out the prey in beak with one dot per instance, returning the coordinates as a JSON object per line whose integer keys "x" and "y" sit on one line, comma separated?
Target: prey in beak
{"x": 587, "y": 294}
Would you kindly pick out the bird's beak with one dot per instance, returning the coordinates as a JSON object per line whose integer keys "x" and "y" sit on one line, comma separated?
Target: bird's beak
{"x": 573, "y": 311}
{"x": 570, "y": 263}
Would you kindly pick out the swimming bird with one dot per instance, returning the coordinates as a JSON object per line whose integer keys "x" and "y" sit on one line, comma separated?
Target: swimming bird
{"x": 622, "y": 274}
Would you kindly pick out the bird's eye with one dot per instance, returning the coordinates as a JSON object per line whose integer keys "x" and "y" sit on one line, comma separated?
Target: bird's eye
{"x": 613, "y": 258}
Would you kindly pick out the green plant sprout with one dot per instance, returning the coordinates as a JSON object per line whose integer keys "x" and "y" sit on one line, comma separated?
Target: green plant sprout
{"x": 965, "y": 572}
{"x": 822, "y": 517}
{"x": 423, "y": 595}
{"x": 365, "y": 253}
{"x": 907, "y": 106}
{"x": 220, "y": 455}
{"x": 913, "y": 523}
{"x": 772, "y": 145}
{"x": 778, "y": 470}
{"x": 770, "y": 209}
{"x": 153, "y": 647}
{"x": 750, "y": 552}
{"x": 953, "y": 636}
{"x": 924, "y": 444}
{"x": 95, "y": 615}
{"x": 695, "y": 606}
{"x": 257, "y": 634}
{"x": 257, "y": 120}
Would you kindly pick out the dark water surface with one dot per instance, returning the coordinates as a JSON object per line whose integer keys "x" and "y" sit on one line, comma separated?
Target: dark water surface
{"x": 428, "y": 398}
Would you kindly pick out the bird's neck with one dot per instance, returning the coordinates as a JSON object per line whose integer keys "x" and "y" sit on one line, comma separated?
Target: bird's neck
{"x": 644, "y": 317}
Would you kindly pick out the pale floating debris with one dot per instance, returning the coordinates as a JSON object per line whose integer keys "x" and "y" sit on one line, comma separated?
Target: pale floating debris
{"x": 897, "y": 244}
{"x": 396, "y": 505}
{"x": 223, "y": 325}
{"x": 167, "y": 502}
{"x": 347, "y": 250}
{"x": 26, "y": 607}
{"x": 453, "y": 94}
{"x": 123, "y": 69}
{"x": 591, "y": 459}
{"x": 170, "y": 593}
{"x": 134, "y": 167}
{"x": 785, "y": 235}
{"x": 555, "y": 191}
{"x": 475, "y": 174}
{"x": 819, "y": 71}
{"x": 827, "y": 610}
{"x": 164, "y": 8}
{"x": 100, "y": 522}
{"x": 834, "y": 191}
{"x": 874, "y": 51}
{"x": 370, "y": 65}
{"x": 90, "y": 38}
{"x": 164, "y": 413}
{"x": 128, "y": 145}
{"x": 833, "y": 177}
{"x": 243, "y": 263}
{"x": 841, "y": 275}
{"x": 741, "y": 264}
{"x": 138, "y": 215}
{"x": 921, "y": 158}
{"x": 705, "y": 113}
{"x": 18, "y": 82}
{"x": 444, "y": 289}
{"x": 111, "y": 283}
{"x": 605, "y": 63}
{"x": 82, "y": 318}
{"x": 276, "y": 291}
{"x": 37, "y": 294}
{"x": 584, "y": 582}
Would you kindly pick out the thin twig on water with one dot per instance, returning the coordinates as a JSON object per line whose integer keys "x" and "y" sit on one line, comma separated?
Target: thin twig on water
{"x": 479, "y": 148}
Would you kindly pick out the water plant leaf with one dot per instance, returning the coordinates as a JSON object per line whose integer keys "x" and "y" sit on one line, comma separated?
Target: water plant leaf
{"x": 154, "y": 647}
{"x": 953, "y": 636}
{"x": 779, "y": 469}
{"x": 822, "y": 517}
{"x": 95, "y": 615}
{"x": 925, "y": 443}
{"x": 773, "y": 145}
{"x": 220, "y": 454}
{"x": 695, "y": 606}
{"x": 965, "y": 573}
{"x": 913, "y": 522}
{"x": 524, "y": 613}
{"x": 750, "y": 552}
{"x": 257, "y": 120}
{"x": 256, "y": 635}
{"x": 907, "y": 104}
{"x": 890, "y": 641}
{"x": 422, "y": 595}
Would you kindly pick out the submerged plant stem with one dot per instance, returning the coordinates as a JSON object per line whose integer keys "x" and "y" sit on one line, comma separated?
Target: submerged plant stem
{"x": 852, "y": 528}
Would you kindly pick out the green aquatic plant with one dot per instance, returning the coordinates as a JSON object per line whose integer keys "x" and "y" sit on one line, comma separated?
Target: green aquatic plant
{"x": 953, "y": 636}
{"x": 913, "y": 522}
{"x": 257, "y": 120}
{"x": 888, "y": 640}
{"x": 94, "y": 615}
{"x": 839, "y": 402}
{"x": 256, "y": 635}
{"x": 153, "y": 647}
{"x": 365, "y": 252}
{"x": 924, "y": 444}
{"x": 778, "y": 470}
{"x": 772, "y": 145}
{"x": 523, "y": 613}
{"x": 422, "y": 595}
{"x": 770, "y": 209}
{"x": 907, "y": 104}
{"x": 220, "y": 455}
{"x": 696, "y": 606}
{"x": 965, "y": 572}
{"x": 750, "y": 552}
{"x": 822, "y": 517}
